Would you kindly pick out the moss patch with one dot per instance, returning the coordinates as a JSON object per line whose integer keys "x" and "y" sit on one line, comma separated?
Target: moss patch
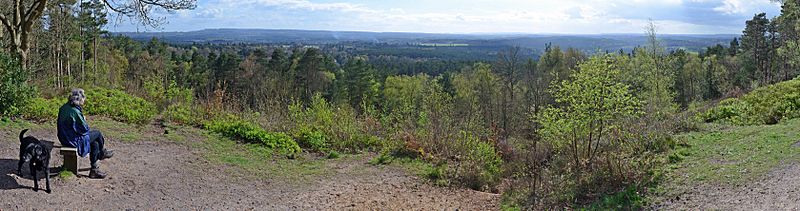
{"x": 66, "y": 175}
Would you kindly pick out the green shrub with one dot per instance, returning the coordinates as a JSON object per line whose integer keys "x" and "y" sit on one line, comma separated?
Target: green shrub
{"x": 480, "y": 167}
{"x": 252, "y": 133}
{"x": 338, "y": 128}
{"x": 119, "y": 106}
{"x": 382, "y": 159}
{"x": 183, "y": 114}
{"x": 15, "y": 92}
{"x": 730, "y": 110}
{"x": 333, "y": 154}
{"x": 313, "y": 139}
{"x": 40, "y": 109}
{"x": 765, "y": 105}
{"x": 172, "y": 95}
{"x": 437, "y": 174}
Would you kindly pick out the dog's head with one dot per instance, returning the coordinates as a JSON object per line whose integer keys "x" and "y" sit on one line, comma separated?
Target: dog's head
{"x": 41, "y": 155}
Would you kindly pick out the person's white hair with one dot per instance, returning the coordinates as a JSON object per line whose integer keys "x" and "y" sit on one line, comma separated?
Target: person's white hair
{"x": 76, "y": 97}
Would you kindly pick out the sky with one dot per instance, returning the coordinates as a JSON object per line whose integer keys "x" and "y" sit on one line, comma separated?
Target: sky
{"x": 467, "y": 16}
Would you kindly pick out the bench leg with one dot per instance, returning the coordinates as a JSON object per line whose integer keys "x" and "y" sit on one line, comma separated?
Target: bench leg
{"x": 71, "y": 163}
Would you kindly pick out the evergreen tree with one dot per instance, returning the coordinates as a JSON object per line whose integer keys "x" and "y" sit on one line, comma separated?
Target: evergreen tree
{"x": 359, "y": 84}
{"x": 733, "y": 49}
{"x": 755, "y": 47}
{"x": 789, "y": 29}
{"x": 92, "y": 19}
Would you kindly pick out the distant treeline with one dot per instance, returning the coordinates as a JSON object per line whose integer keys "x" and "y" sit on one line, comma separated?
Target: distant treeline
{"x": 564, "y": 127}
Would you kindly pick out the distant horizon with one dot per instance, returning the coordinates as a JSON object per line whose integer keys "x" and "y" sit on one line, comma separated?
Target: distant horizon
{"x": 419, "y": 32}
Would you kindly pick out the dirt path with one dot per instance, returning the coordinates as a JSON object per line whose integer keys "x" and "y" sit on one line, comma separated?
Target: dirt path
{"x": 778, "y": 190}
{"x": 156, "y": 173}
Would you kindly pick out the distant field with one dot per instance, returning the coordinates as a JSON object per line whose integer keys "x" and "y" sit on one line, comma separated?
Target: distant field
{"x": 444, "y": 45}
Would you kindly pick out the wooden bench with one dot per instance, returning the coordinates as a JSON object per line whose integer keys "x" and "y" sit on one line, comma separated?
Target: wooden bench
{"x": 70, "y": 159}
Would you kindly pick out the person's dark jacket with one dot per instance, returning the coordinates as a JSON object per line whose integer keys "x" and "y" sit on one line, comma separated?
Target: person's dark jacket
{"x": 73, "y": 131}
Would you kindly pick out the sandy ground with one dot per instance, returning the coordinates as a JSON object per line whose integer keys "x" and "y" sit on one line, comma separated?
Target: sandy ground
{"x": 156, "y": 173}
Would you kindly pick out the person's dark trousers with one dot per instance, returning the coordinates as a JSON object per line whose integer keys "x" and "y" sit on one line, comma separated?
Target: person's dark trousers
{"x": 96, "y": 150}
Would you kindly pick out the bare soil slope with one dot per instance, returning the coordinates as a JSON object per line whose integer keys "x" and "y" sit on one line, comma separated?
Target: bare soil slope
{"x": 151, "y": 171}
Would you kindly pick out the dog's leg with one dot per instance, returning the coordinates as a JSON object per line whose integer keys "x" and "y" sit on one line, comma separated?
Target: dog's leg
{"x": 19, "y": 167}
{"x": 47, "y": 177}
{"x": 35, "y": 177}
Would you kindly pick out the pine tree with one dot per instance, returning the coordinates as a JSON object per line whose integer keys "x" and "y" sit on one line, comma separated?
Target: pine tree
{"x": 92, "y": 19}
{"x": 359, "y": 84}
{"x": 734, "y": 47}
{"x": 755, "y": 47}
{"x": 789, "y": 29}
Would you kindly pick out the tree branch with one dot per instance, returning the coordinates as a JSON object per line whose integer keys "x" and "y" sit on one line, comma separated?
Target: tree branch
{"x": 17, "y": 12}
{"x": 141, "y": 9}
{"x": 5, "y": 22}
{"x": 115, "y": 9}
{"x": 34, "y": 6}
{"x": 34, "y": 13}
{"x": 6, "y": 25}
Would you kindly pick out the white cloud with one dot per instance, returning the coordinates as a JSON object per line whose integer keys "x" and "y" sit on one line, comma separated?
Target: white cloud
{"x": 303, "y": 4}
{"x": 210, "y": 13}
{"x": 464, "y": 16}
{"x": 742, "y": 7}
{"x": 731, "y": 7}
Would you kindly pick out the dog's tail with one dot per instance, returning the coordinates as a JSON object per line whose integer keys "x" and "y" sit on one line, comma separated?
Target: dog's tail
{"x": 22, "y": 134}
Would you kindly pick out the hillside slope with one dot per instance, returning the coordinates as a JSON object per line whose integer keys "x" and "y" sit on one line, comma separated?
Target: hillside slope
{"x": 746, "y": 158}
{"x": 191, "y": 169}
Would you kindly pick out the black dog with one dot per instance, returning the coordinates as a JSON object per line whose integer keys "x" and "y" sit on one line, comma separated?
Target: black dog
{"x": 38, "y": 155}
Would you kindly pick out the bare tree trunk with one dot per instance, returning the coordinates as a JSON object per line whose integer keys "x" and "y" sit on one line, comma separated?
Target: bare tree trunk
{"x": 19, "y": 25}
{"x": 94, "y": 56}
{"x": 69, "y": 65}
{"x": 55, "y": 64}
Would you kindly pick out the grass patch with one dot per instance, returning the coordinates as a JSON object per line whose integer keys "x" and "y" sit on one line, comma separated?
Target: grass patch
{"x": 16, "y": 124}
{"x": 737, "y": 154}
{"x": 333, "y": 155}
{"x": 629, "y": 199}
{"x": 381, "y": 159}
{"x": 260, "y": 161}
{"x": 127, "y": 137}
{"x": 116, "y": 130}
{"x": 66, "y": 175}
{"x": 173, "y": 136}
{"x": 436, "y": 174}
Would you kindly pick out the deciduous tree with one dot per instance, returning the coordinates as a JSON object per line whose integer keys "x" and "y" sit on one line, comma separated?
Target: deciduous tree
{"x": 23, "y": 16}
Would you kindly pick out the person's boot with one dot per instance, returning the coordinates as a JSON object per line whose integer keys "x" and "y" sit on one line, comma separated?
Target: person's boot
{"x": 97, "y": 174}
{"x": 107, "y": 154}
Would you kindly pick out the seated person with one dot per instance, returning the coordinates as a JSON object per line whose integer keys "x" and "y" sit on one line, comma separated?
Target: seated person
{"x": 73, "y": 131}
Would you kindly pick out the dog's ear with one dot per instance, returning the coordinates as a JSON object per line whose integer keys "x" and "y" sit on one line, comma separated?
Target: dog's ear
{"x": 48, "y": 145}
